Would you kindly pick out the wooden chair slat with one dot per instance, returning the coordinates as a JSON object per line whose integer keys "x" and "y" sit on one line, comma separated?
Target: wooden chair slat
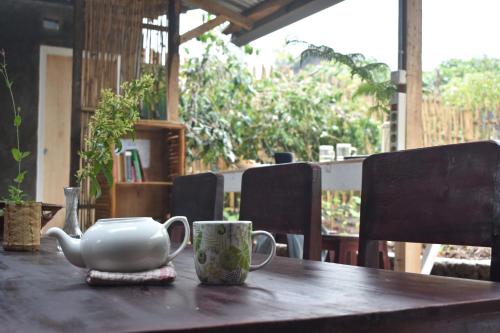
{"x": 445, "y": 195}
{"x": 285, "y": 198}
{"x": 199, "y": 197}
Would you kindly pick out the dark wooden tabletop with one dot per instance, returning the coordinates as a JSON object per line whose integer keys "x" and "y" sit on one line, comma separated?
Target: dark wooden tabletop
{"x": 43, "y": 292}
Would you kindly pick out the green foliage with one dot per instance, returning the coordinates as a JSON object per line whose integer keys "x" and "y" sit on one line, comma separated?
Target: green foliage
{"x": 467, "y": 84}
{"x": 375, "y": 76}
{"x": 341, "y": 212}
{"x": 231, "y": 214}
{"x": 216, "y": 89}
{"x": 459, "y": 69}
{"x": 231, "y": 115}
{"x": 299, "y": 112}
{"x": 154, "y": 101}
{"x": 113, "y": 119}
{"x": 480, "y": 91}
{"x": 16, "y": 194}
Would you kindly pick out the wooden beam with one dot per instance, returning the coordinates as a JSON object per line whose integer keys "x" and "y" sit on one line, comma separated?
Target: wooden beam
{"x": 154, "y": 27}
{"x": 207, "y": 26}
{"x": 259, "y": 12}
{"x": 173, "y": 14}
{"x": 219, "y": 10}
{"x": 76, "y": 89}
{"x": 293, "y": 12}
{"x": 408, "y": 254}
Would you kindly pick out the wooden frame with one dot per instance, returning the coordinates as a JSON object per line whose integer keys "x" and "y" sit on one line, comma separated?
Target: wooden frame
{"x": 201, "y": 29}
{"x": 218, "y": 9}
{"x": 45, "y": 51}
{"x": 259, "y": 12}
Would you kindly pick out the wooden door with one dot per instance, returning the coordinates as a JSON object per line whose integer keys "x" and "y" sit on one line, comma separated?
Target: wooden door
{"x": 55, "y": 122}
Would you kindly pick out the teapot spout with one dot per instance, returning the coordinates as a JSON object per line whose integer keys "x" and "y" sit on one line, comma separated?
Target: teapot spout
{"x": 70, "y": 246}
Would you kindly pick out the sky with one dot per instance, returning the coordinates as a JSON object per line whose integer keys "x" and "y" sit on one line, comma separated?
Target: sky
{"x": 450, "y": 29}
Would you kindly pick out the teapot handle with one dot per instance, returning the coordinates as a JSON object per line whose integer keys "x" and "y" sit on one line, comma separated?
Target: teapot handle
{"x": 184, "y": 221}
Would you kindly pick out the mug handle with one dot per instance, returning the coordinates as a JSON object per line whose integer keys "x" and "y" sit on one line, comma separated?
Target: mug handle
{"x": 184, "y": 221}
{"x": 270, "y": 256}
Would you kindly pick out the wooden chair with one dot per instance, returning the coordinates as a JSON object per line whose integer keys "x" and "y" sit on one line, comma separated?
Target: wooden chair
{"x": 285, "y": 199}
{"x": 343, "y": 249}
{"x": 199, "y": 197}
{"x": 443, "y": 195}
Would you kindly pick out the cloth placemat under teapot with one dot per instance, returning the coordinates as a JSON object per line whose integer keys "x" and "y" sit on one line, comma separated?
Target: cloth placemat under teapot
{"x": 158, "y": 276}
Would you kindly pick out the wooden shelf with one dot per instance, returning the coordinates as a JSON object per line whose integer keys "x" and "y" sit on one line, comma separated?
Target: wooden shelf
{"x": 158, "y": 124}
{"x": 147, "y": 183}
{"x": 166, "y": 144}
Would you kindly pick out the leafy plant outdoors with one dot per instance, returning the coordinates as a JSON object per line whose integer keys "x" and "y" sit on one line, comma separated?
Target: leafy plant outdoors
{"x": 154, "y": 103}
{"x": 299, "y": 112}
{"x": 217, "y": 89}
{"x": 16, "y": 194}
{"x": 472, "y": 84}
{"x": 374, "y": 75}
{"x": 113, "y": 119}
{"x": 341, "y": 211}
{"x": 231, "y": 115}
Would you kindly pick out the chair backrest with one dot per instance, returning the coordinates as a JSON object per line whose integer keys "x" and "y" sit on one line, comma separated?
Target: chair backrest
{"x": 285, "y": 198}
{"x": 444, "y": 195}
{"x": 199, "y": 197}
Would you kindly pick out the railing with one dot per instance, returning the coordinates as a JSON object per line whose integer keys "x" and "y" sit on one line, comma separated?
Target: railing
{"x": 335, "y": 176}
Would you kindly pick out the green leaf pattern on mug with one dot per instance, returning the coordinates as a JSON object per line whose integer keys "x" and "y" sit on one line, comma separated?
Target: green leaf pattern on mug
{"x": 222, "y": 252}
{"x": 197, "y": 241}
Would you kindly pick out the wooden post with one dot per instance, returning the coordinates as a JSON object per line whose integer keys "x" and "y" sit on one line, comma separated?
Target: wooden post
{"x": 174, "y": 8}
{"x": 410, "y": 51}
{"x": 76, "y": 90}
{"x": 414, "y": 133}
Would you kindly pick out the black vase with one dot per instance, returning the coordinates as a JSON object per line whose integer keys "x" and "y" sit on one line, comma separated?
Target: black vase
{"x": 285, "y": 157}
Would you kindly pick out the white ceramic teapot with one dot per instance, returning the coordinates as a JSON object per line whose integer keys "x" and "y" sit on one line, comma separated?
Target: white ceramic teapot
{"x": 122, "y": 244}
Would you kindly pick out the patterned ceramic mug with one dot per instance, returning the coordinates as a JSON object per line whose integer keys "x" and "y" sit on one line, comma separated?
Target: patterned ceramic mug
{"x": 223, "y": 251}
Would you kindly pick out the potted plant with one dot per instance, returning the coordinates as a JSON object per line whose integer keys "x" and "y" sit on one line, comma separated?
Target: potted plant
{"x": 22, "y": 219}
{"x": 114, "y": 118}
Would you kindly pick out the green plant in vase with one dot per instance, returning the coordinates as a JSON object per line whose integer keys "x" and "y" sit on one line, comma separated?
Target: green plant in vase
{"x": 114, "y": 118}
{"x": 22, "y": 219}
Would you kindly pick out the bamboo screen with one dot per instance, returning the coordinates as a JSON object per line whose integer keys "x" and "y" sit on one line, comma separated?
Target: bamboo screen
{"x": 444, "y": 124}
{"x": 154, "y": 59}
{"x": 117, "y": 42}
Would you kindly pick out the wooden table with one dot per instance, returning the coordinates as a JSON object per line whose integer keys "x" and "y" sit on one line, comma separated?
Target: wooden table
{"x": 42, "y": 292}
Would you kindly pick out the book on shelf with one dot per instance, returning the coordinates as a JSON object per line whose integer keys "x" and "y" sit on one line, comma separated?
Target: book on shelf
{"x": 136, "y": 160}
{"x": 128, "y": 167}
